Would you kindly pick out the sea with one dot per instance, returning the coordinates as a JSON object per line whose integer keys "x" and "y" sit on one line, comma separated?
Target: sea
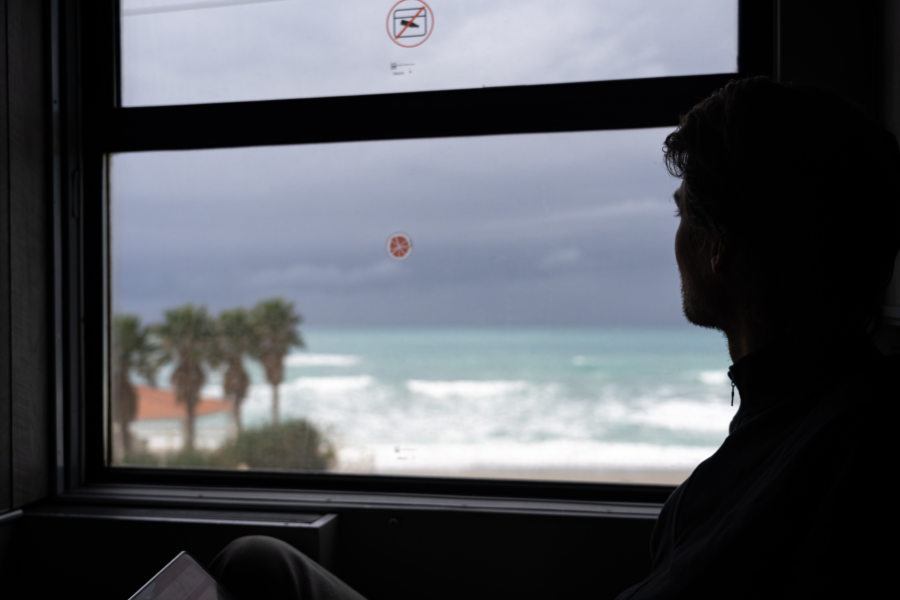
{"x": 547, "y": 403}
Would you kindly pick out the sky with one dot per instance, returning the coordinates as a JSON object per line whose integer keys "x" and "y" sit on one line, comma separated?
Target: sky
{"x": 571, "y": 229}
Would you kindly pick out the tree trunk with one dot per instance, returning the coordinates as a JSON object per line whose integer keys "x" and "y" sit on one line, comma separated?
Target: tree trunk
{"x": 189, "y": 419}
{"x": 124, "y": 409}
{"x": 236, "y": 414}
{"x": 127, "y": 440}
{"x": 275, "y": 410}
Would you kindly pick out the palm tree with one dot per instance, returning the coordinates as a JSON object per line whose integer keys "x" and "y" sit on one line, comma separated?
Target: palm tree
{"x": 132, "y": 350}
{"x": 275, "y": 325}
{"x": 235, "y": 337}
{"x": 187, "y": 337}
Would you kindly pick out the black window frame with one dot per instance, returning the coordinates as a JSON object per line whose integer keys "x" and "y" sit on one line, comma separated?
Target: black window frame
{"x": 90, "y": 124}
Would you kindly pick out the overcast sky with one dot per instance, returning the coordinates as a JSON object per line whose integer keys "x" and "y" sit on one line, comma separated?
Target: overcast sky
{"x": 556, "y": 229}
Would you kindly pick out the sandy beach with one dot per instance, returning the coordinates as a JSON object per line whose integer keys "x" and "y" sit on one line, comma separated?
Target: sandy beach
{"x": 605, "y": 475}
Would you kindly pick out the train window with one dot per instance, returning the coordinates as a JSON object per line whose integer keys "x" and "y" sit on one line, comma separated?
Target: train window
{"x": 177, "y": 52}
{"x": 410, "y": 238}
{"x": 492, "y": 306}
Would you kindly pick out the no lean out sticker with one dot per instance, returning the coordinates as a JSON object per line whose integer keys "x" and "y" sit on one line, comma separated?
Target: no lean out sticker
{"x": 399, "y": 246}
{"x": 410, "y": 23}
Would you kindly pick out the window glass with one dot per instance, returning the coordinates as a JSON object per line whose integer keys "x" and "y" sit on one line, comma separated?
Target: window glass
{"x": 198, "y": 51}
{"x": 503, "y": 306}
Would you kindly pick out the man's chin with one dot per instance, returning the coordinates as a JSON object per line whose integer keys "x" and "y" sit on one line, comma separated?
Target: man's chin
{"x": 699, "y": 318}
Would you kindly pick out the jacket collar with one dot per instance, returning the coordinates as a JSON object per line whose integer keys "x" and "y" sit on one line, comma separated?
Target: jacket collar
{"x": 785, "y": 373}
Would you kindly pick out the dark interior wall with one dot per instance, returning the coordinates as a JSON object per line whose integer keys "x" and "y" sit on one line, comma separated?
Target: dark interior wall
{"x": 836, "y": 45}
{"x": 25, "y": 292}
{"x": 853, "y": 49}
{"x": 5, "y": 401}
{"x": 9, "y": 522}
{"x": 890, "y": 73}
{"x": 25, "y": 284}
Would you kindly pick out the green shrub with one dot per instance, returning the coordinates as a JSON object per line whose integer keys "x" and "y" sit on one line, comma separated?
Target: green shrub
{"x": 194, "y": 458}
{"x": 141, "y": 459}
{"x": 295, "y": 445}
{"x": 182, "y": 458}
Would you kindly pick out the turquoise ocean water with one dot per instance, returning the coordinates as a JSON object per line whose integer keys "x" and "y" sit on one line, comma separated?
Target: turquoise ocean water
{"x": 461, "y": 400}
{"x": 458, "y": 401}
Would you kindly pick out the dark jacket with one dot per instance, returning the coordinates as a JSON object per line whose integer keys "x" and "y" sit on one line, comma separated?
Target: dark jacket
{"x": 795, "y": 503}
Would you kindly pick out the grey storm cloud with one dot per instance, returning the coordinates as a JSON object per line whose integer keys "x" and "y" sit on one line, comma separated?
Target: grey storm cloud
{"x": 571, "y": 229}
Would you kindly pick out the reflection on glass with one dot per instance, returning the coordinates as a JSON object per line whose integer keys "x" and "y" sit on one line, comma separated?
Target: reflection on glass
{"x": 177, "y": 52}
{"x": 530, "y": 326}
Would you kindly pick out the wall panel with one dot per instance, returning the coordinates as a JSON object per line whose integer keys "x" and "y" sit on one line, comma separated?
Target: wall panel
{"x": 29, "y": 247}
{"x": 5, "y": 455}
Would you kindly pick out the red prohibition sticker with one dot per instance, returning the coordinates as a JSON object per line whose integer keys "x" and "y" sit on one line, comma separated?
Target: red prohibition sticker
{"x": 410, "y": 23}
{"x": 399, "y": 246}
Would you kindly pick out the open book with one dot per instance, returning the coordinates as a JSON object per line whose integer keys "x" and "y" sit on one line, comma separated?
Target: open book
{"x": 181, "y": 579}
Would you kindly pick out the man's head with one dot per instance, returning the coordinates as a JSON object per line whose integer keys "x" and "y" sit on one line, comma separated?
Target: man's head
{"x": 790, "y": 206}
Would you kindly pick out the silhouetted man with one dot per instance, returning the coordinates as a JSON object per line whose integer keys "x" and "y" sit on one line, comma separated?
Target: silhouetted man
{"x": 790, "y": 222}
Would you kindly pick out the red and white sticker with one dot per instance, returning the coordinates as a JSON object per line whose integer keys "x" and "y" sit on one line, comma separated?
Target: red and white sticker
{"x": 399, "y": 246}
{"x": 410, "y": 23}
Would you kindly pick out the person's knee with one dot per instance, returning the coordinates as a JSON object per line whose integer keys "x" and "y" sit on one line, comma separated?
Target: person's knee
{"x": 259, "y": 566}
{"x": 258, "y": 547}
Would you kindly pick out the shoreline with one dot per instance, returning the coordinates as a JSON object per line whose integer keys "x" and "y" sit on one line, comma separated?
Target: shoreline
{"x": 648, "y": 476}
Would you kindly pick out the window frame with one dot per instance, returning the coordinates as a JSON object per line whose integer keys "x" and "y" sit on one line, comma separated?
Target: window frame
{"x": 92, "y": 125}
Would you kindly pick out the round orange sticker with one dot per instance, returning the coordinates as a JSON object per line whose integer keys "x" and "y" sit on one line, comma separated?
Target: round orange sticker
{"x": 399, "y": 246}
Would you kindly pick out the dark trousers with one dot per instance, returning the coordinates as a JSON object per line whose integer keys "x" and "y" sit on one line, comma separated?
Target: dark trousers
{"x": 259, "y": 567}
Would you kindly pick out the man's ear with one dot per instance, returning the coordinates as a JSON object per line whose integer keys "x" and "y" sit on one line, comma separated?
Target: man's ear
{"x": 718, "y": 255}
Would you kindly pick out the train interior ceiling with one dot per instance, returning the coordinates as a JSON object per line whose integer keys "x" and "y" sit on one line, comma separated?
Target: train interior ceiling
{"x": 72, "y": 521}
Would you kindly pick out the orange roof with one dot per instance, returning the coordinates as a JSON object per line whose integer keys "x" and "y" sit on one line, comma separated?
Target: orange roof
{"x": 156, "y": 403}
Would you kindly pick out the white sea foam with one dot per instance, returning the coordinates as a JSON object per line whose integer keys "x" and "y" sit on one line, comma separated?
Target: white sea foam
{"x": 685, "y": 415}
{"x": 465, "y": 388}
{"x": 713, "y": 377}
{"x": 500, "y": 455}
{"x": 322, "y": 360}
{"x": 330, "y": 384}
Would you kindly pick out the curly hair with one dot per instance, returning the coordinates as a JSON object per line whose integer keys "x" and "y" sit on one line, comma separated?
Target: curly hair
{"x": 806, "y": 185}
